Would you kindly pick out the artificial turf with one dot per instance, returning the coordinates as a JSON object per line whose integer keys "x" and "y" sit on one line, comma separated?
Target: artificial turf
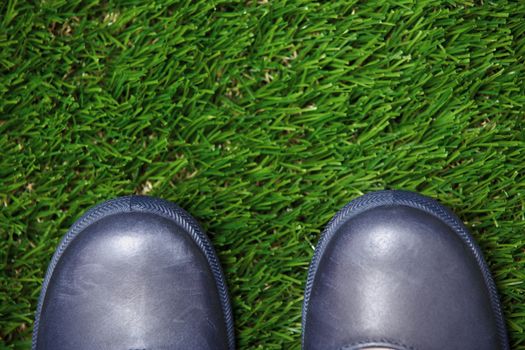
{"x": 262, "y": 119}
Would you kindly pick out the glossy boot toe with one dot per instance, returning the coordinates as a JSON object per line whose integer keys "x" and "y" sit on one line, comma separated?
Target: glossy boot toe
{"x": 134, "y": 273}
{"x": 396, "y": 270}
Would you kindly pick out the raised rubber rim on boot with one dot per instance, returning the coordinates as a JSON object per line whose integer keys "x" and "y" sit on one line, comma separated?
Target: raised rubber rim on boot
{"x": 161, "y": 208}
{"x": 413, "y": 200}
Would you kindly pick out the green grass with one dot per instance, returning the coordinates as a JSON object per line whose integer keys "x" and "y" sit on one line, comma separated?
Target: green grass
{"x": 262, "y": 119}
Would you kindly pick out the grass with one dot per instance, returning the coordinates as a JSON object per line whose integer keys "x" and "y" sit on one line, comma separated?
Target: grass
{"x": 262, "y": 119}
